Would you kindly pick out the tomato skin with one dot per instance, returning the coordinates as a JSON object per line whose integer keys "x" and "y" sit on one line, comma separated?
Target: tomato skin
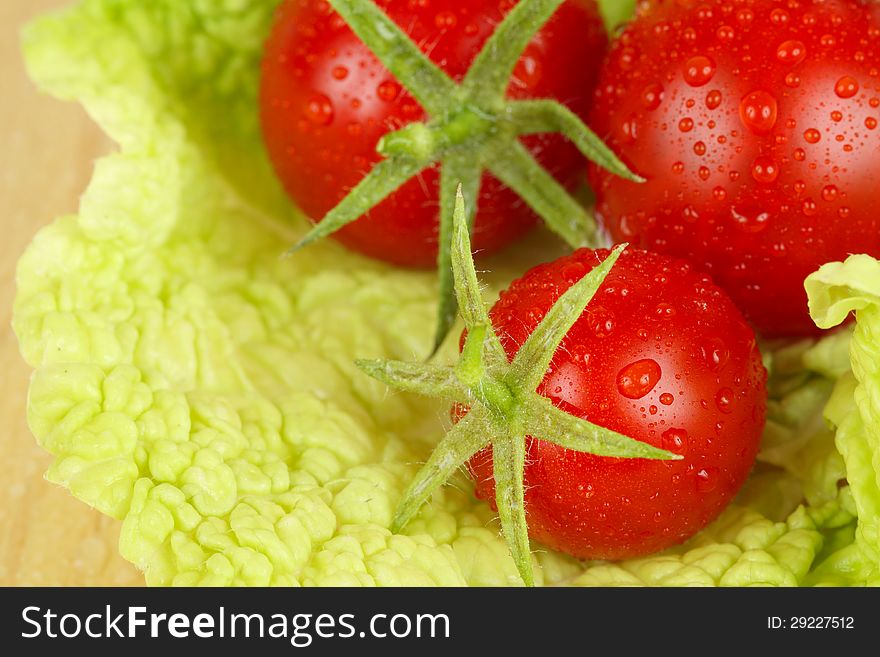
{"x": 326, "y": 101}
{"x": 761, "y": 161}
{"x": 655, "y": 327}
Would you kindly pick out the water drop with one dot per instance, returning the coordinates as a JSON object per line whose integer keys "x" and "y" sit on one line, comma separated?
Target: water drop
{"x": 809, "y": 207}
{"x": 758, "y": 111}
{"x": 666, "y": 399}
{"x": 846, "y": 87}
{"x": 388, "y": 90}
{"x": 686, "y": 124}
{"x": 791, "y": 52}
{"x": 870, "y": 123}
{"x": 713, "y": 99}
{"x": 700, "y": 148}
{"x": 339, "y": 72}
{"x": 724, "y": 400}
{"x": 792, "y": 80}
{"x": 699, "y": 70}
{"x": 836, "y": 116}
{"x": 704, "y": 173}
{"x": 707, "y": 479}
{"x": 638, "y": 379}
{"x": 812, "y": 136}
{"x": 750, "y": 221}
{"x": 829, "y": 193}
{"x": 674, "y": 440}
{"x": 320, "y": 110}
{"x": 765, "y": 169}
{"x": 652, "y": 96}
{"x": 715, "y": 353}
{"x": 800, "y": 154}
{"x": 445, "y": 20}
{"x": 665, "y": 310}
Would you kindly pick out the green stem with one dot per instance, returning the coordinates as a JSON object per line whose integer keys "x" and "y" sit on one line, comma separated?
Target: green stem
{"x": 541, "y": 116}
{"x": 384, "y": 179}
{"x": 459, "y": 445}
{"x": 508, "y": 461}
{"x": 518, "y": 169}
{"x": 418, "y": 378}
{"x": 457, "y": 171}
{"x": 489, "y": 76}
{"x": 534, "y": 356}
{"x": 422, "y": 78}
{"x": 546, "y": 422}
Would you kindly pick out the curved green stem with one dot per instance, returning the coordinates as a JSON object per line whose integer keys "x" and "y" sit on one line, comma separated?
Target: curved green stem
{"x": 548, "y": 423}
{"x": 508, "y": 461}
{"x": 459, "y": 445}
{"x": 422, "y": 78}
{"x": 457, "y": 171}
{"x": 489, "y": 76}
{"x": 384, "y": 179}
{"x": 518, "y": 169}
{"x": 539, "y": 116}
{"x": 533, "y": 358}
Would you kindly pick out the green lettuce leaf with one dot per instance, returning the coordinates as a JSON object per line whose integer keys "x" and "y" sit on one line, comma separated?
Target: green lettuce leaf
{"x": 194, "y": 385}
{"x": 835, "y": 291}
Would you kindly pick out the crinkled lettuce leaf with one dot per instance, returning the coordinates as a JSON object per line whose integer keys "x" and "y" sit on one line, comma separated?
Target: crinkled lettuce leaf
{"x": 194, "y": 385}
{"x": 835, "y": 291}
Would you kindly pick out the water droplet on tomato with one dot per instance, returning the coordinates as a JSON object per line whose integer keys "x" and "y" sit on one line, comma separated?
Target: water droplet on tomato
{"x": 829, "y": 193}
{"x": 638, "y": 379}
{"x": 665, "y": 310}
{"x": 800, "y": 154}
{"x": 750, "y": 221}
{"x": 759, "y": 111}
{"x": 388, "y": 90}
{"x": 719, "y": 193}
{"x": 686, "y": 124}
{"x": 791, "y": 52}
{"x": 319, "y": 110}
{"x": 792, "y": 80}
{"x": 601, "y": 321}
{"x": 699, "y": 70}
{"x": 870, "y": 123}
{"x": 715, "y": 353}
{"x": 700, "y": 148}
{"x": 765, "y": 169}
{"x": 339, "y": 72}
{"x": 713, "y": 99}
{"x": 707, "y": 479}
{"x": 652, "y": 96}
{"x": 674, "y": 440}
{"x": 678, "y": 167}
{"x": 667, "y": 398}
{"x": 724, "y": 400}
{"x": 445, "y": 20}
{"x": 812, "y": 136}
{"x": 809, "y": 207}
{"x": 846, "y": 87}
{"x": 836, "y": 116}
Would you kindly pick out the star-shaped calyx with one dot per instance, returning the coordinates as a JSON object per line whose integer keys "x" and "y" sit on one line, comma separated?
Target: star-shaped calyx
{"x": 473, "y": 127}
{"x": 500, "y": 395}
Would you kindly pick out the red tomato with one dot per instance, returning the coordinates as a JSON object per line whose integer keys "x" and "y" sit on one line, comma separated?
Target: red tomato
{"x": 756, "y": 125}
{"x": 326, "y": 101}
{"x": 661, "y": 355}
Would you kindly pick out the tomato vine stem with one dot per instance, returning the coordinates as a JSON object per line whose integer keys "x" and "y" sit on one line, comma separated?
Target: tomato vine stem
{"x": 503, "y": 406}
{"x": 472, "y": 128}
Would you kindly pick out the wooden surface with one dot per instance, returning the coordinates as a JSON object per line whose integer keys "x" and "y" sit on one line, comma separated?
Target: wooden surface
{"x": 46, "y": 536}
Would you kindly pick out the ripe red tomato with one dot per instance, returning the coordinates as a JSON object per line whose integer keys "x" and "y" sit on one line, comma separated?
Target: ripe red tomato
{"x": 661, "y": 355}
{"x": 756, "y": 125}
{"x": 326, "y": 101}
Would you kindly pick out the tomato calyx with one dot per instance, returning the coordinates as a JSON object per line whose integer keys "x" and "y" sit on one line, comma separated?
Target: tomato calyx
{"x": 501, "y": 396}
{"x": 472, "y": 128}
